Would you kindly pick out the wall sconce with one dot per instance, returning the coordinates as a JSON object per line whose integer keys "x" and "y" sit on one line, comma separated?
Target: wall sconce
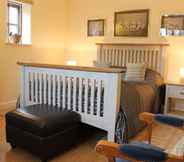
{"x": 182, "y": 75}
{"x": 71, "y": 62}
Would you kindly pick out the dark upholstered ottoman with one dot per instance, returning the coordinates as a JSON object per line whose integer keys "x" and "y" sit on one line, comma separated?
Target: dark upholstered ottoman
{"x": 44, "y": 131}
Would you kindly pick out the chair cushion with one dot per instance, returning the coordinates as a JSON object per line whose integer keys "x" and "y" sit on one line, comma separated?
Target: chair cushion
{"x": 42, "y": 120}
{"x": 120, "y": 160}
{"x": 174, "y": 121}
{"x": 143, "y": 152}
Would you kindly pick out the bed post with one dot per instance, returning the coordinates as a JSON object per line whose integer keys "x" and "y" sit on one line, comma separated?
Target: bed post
{"x": 113, "y": 104}
{"x": 162, "y": 60}
{"x": 99, "y": 52}
{"x": 22, "y": 85}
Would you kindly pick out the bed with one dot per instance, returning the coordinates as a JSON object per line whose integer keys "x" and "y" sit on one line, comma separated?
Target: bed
{"x": 136, "y": 97}
{"x": 94, "y": 93}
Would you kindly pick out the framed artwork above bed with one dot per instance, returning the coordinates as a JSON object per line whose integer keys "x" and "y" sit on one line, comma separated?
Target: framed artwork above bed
{"x": 131, "y": 23}
{"x": 96, "y": 27}
{"x": 172, "y": 25}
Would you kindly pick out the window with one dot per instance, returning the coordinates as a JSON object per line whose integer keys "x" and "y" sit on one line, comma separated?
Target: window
{"x": 19, "y": 22}
{"x": 14, "y": 19}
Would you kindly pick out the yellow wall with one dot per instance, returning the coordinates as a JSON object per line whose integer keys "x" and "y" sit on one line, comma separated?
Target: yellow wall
{"x": 83, "y": 49}
{"x": 59, "y": 32}
{"x": 48, "y": 37}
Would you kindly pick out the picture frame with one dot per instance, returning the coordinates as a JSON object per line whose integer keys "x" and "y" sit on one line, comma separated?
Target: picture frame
{"x": 132, "y": 23}
{"x": 172, "y": 25}
{"x": 95, "y": 27}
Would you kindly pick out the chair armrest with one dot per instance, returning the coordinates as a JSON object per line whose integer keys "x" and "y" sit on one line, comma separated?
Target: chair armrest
{"x": 165, "y": 119}
{"x": 134, "y": 152}
{"x": 111, "y": 151}
{"x": 107, "y": 148}
{"x": 143, "y": 152}
{"x": 146, "y": 152}
{"x": 146, "y": 117}
{"x": 170, "y": 120}
{"x": 150, "y": 119}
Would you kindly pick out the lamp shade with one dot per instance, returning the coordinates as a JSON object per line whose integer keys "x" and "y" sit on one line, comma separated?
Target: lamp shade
{"x": 182, "y": 75}
{"x": 182, "y": 72}
{"x": 71, "y": 62}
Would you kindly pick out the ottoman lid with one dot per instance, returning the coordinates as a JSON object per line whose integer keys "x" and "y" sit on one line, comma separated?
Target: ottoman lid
{"x": 42, "y": 120}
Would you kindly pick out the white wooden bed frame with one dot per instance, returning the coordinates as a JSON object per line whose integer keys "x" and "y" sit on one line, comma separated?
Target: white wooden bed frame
{"x": 78, "y": 86}
{"x": 39, "y": 83}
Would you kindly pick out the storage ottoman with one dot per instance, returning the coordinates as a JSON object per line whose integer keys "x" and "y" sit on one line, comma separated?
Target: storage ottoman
{"x": 43, "y": 130}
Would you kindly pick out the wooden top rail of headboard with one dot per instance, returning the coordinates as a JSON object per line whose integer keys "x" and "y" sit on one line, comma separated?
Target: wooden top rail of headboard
{"x": 78, "y": 68}
{"x": 133, "y": 44}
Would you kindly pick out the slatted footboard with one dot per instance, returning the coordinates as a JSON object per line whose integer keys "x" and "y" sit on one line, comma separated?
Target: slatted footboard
{"x": 93, "y": 93}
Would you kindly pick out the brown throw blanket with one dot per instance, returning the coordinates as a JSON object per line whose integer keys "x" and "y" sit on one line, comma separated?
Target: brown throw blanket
{"x": 137, "y": 97}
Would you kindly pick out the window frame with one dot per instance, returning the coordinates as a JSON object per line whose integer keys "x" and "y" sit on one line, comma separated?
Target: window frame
{"x": 19, "y": 25}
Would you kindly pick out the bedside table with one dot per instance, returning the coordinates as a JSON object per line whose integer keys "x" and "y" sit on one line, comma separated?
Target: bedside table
{"x": 174, "y": 91}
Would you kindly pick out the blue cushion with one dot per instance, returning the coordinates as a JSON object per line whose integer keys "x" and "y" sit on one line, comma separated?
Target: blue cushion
{"x": 120, "y": 160}
{"x": 177, "y": 122}
{"x": 143, "y": 152}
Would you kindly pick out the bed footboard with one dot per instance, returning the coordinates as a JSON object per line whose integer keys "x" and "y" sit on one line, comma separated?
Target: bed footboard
{"x": 94, "y": 93}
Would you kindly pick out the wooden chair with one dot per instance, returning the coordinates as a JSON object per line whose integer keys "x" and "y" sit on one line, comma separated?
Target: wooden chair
{"x": 139, "y": 151}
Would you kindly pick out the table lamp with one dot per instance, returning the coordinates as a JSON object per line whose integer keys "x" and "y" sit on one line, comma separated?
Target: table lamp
{"x": 182, "y": 75}
{"x": 71, "y": 62}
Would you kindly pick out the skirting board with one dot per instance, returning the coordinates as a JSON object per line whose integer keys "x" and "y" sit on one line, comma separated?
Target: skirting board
{"x": 7, "y": 106}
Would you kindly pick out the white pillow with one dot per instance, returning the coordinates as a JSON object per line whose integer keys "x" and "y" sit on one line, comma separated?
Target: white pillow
{"x": 135, "y": 72}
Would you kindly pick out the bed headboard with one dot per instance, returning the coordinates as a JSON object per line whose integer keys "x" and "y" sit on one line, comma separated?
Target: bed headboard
{"x": 153, "y": 55}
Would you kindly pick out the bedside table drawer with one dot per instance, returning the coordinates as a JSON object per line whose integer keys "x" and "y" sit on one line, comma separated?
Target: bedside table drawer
{"x": 175, "y": 91}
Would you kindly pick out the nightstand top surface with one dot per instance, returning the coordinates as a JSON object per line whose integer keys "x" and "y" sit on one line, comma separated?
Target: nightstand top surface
{"x": 175, "y": 83}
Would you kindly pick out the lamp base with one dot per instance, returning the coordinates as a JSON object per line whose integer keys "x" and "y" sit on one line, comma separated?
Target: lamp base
{"x": 182, "y": 80}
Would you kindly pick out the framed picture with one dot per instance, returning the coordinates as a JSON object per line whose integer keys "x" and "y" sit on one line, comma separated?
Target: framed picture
{"x": 172, "y": 25}
{"x": 96, "y": 27}
{"x": 131, "y": 23}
